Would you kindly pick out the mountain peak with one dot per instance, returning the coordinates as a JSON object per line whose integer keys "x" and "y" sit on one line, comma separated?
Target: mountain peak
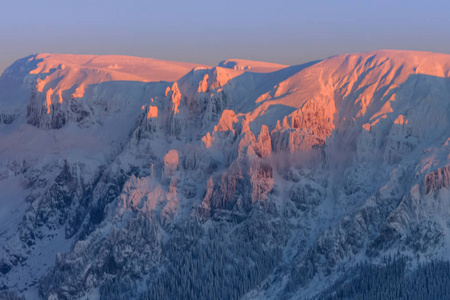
{"x": 274, "y": 182}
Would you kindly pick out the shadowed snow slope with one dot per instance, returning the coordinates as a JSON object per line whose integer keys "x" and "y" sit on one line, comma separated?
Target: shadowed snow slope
{"x": 125, "y": 177}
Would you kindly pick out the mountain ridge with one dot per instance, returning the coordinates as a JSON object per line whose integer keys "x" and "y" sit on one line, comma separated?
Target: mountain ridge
{"x": 277, "y": 178}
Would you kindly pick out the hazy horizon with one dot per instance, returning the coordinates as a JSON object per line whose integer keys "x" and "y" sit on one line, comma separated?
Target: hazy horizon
{"x": 207, "y": 33}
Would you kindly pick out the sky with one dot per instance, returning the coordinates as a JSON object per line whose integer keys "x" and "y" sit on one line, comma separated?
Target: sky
{"x": 286, "y": 32}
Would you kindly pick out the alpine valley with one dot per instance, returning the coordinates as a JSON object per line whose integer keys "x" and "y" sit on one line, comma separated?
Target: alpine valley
{"x": 137, "y": 178}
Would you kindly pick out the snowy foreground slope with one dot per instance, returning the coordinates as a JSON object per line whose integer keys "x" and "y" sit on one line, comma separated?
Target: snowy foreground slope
{"x": 125, "y": 177}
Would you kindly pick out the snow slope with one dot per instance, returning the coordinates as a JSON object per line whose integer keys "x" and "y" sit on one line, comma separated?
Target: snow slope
{"x": 246, "y": 180}
{"x": 98, "y": 92}
{"x": 251, "y": 65}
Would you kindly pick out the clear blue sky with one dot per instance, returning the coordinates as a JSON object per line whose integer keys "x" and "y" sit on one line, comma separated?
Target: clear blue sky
{"x": 288, "y": 32}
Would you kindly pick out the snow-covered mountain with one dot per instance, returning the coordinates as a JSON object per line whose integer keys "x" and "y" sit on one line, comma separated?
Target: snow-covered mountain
{"x": 125, "y": 177}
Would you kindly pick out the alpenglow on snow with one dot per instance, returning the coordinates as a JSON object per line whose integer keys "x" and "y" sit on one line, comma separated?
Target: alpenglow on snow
{"x": 137, "y": 178}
